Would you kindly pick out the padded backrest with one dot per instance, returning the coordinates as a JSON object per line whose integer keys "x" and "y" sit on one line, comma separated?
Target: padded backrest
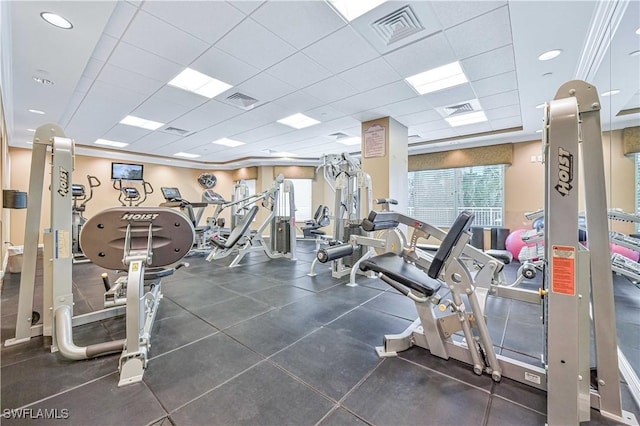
{"x": 380, "y": 220}
{"x": 461, "y": 224}
{"x": 241, "y": 228}
{"x": 316, "y": 215}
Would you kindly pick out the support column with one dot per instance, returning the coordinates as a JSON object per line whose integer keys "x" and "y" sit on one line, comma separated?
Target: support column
{"x": 385, "y": 159}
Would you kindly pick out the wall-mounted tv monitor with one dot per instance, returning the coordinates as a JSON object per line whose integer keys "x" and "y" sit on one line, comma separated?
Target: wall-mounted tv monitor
{"x": 126, "y": 171}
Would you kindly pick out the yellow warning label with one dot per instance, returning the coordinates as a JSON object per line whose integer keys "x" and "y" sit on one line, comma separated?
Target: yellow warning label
{"x": 563, "y": 270}
{"x": 135, "y": 266}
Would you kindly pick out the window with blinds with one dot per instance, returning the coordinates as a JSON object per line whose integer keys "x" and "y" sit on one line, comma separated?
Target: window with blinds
{"x": 438, "y": 196}
{"x": 302, "y": 194}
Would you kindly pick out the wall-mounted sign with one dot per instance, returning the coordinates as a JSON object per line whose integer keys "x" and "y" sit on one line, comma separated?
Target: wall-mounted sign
{"x": 375, "y": 141}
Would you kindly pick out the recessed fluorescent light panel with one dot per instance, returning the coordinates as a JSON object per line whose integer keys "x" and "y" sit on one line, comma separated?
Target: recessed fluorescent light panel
{"x": 56, "y": 20}
{"x": 298, "y": 121}
{"x": 610, "y": 93}
{"x": 106, "y": 142}
{"x": 31, "y": 130}
{"x": 131, "y": 120}
{"x": 351, "y": 9}
{"x": 550, "y": 54}
{"x": 228, "y": 142}
{"x": 201, "y": 84}
{"x": 350, "y": 141}
{"x": 438, "y": 78}
{"x": 36, "y": 111}
{"x": 186, "y": 155}
{"x": 464, "y": 119}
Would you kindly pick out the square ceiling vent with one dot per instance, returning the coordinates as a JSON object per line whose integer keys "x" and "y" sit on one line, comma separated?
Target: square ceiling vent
{"x": 176, "y": 131}
{"x": 459, "y": 108}
{"x": 242, "y": 101}
{"x": 397, "y": 25}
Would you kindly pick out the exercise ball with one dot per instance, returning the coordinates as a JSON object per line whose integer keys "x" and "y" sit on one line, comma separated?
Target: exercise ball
{"x": 514, "y": 242}
{"x": 626, "y": 252}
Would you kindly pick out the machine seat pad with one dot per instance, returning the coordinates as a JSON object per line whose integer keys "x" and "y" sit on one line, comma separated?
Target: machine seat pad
{"x": 155, "y": 273}
{"x": 317, "y": 232}
{"x": 504, "y": 256}
{"x": 402, "y": 272}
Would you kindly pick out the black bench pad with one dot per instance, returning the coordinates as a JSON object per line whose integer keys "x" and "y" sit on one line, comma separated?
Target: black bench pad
{"x": 402, "y": 272}
{"x": 504, "y": 256}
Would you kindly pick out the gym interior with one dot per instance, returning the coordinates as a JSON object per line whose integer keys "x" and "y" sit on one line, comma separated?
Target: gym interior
{"x": 336, "y": 212}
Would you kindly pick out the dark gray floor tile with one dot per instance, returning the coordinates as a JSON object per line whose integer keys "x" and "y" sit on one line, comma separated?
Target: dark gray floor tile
{"x": 522, "y": 394}
{"x": 497, "y": 307}
{"x": 280, "y": 296}
{"x": 451, "y": 367}
{"x": 629, "y": 334}
{"x": 263, "y": 395}
{"x": 249, "y": 284}
{"x": 232, "y": 311}
{"x": 394, "y": 304}
{"x": 103, "y": 403}
{"x": 354, "y": 295}
{"x": 368, "y": 326}
{"x": 536, "y": 361}
{"x": 497, "y": 326}
{"x": 524, "y": 337}
{"x": 503, "y": 412}
{"x": 198, "y": 298}
{"x": 182, "y": 375}
{"x": 525, "y": 312}
{"x": 341, "y": 417}
{"x": 316, "y": 309}
{"x": 399, "y": 392}
{"x": 376, "y": 283}
{"x": 328, "y": 361}
{"x": 318, "y": 283}
{"x": 165, "y": 421}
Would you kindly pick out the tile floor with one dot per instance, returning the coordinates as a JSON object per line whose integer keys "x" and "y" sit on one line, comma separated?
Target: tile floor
{"x": 264, "y": 344}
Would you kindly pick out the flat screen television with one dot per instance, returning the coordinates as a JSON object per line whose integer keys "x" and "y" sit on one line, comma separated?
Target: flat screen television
{"x": 126, "y": 171}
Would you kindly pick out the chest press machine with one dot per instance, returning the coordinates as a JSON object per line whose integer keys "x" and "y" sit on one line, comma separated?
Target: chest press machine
{"x": 140, "y": 240}
{"x": 579, "y": 291}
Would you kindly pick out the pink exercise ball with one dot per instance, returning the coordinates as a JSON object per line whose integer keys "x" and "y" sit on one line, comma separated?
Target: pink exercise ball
{"x": 626, "y": 252}
{"x": 514, "y": 242}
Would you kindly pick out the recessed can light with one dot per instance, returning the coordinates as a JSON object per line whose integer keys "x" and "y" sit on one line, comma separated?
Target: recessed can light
{"x": 43, "y": 81}
{"x": 610, "y": 93}
{"x": 550, "y": 54}
{"x": 36, "y": 111}
{"x": 56, "y": 20}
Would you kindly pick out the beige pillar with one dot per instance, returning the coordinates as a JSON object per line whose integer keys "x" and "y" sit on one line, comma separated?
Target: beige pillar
{"x": 385, "y": 158}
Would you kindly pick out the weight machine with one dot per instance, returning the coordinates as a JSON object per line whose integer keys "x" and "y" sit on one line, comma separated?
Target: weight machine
{"x": 115, "y": 239}
{"x": 79, "y": 194}
{"x": 577, "y": 297}
{"x": 131, "y": 194}
{"x": 279, "y": 199}
{"x": 194, "y": 212}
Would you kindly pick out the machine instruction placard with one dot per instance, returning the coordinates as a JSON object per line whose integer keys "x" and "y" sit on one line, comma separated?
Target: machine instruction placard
{"x": 563, "y": 270}
{"x": 375, "y": 141}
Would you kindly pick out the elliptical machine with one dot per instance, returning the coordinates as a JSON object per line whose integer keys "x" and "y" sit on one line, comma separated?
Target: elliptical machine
{"x": 80, "y": 200}
{"x": 130, "y": 194}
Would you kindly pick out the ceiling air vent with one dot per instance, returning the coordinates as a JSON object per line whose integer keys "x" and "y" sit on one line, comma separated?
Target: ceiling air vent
{"x": 338, "y": 135}
{"x": 241, "y": 100}
{"x": 460, "y": 108}
{"x": 175, "y": 131}
{"x": 397, "y": 25}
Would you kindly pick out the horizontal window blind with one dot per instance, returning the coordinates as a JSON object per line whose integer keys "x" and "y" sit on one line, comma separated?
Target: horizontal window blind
{"x": 303, "y": 196}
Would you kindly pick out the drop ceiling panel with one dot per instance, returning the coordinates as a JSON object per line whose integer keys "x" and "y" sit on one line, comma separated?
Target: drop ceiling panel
{"x": 420, "y": 117}
{"x": 299, "y": 71}
{"x": 331, "y": 89}
{"x": 503, "y": 112}
{"x": 300, "y": 23}
{"x": 409, "y": 106}
{"x": 253, "y": 44}
{"x": 105, "y": 46}
{"x": 92, "y": 69}
{"x": 455, "y": 12}
{"x": 423, "y": 55}
{"x": 264, "y": 87}
{"x": 500, "y": 100}
{"x": 451, "y": 96}
{"x": 129, "y": 80}
{"x": 158, "y": 109}
{"x": 298, "y": 102}
{"x": 496, "y": 84}
{"x": 153, "y": 141}
{"x": 204, "y": 116}
{"x": 84, "y": 84}
{"x": 488, "y": 64}
{"x": 436, "y": 134}
{"x": 120, "y": 19}
{"x": 506, "y": 123}
{"x": 341, "y": 50}
{"x": 370, "y": 75}
{"x": 366, "y": 101}
{"x": 142, "y": 62}
{"x": 373, "y": 114}
{"x": 181, "y": 97}
{"x": 247, "y": 7}
{"x": 122, "y": 133}
{"x": 324, "y": 113}
{"x": 221, "y": 65}
{"x": 426, "y": 129}
{"x": 494, "y": 27}
{"x": 158, "y": 37}
{"x": 263, "y": 132}
{"x": 473, "y": 128}
{"x": 195, "y": 17}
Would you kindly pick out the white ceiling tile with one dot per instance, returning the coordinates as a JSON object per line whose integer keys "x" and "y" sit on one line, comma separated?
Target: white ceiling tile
{"x": 122, "y": 133}
{"x": 451, "y": 96}
{"x": 197, "y": 17}
{"x": 247, "y": 6}
{"x": 271, "y": 111}
{"x": 496, "y": 84}
{"x": 451, "y": 13}
{"x": 423, "y": 55}
{"x": 92, "y": 69}
{"x": 506, "y": 123}
{"x": 84, "y": 84}
{"x": 331, "y": 89}
{"x": 205, "y": 115}
{"x": 473, "y": 128}
{"x": 443, "y": 133}
{"x": 105, "y": 46}
{"x": 482, "y": 34}
{"x": 120, "y": 18}
{"x": 312, "y": 20}
{"x": 299, "y": 70}
{"x": 298, "y": 102}
{"x": 181, "y": 97}
{"x": 409, "y": 106}
{"x": 419, "y": 117}
{"x": 156, "y": 36}
{"x": 373, "y": 114}
{"x": 265, "y": 88}
{"x": 503, "y": 112}
{"x": 253, "y": 44}
{"x": 159, "y": 109}
{"x": 500, "y": 100}
{"x": 142, "y": 62}
{"x": 221, "y": 65}
{"x": 370, "y": 75}
{"x": 427, "y": 129}
{"x": 384, "y": 95}
{"x": 341, "y": 50}
{"x": 123, "y": 98}
{"x": 488, "y": 64}
{"x": 129, "y": 80}
{"x": 324, "y": 113}
{"x": 262, "y": 132}
{"x": 152, "y": 141}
